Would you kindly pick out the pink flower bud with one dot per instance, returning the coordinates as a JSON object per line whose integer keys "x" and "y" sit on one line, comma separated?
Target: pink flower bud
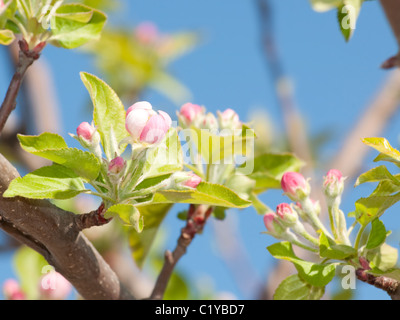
{"x": 116, "y": 165}
{"x": 147, "y": 32}
{"x": 189, "y": 112}
{"x": 333, "y": 183}
{"x": 12, "y": 290}
{"x": 1, "y": 4}
{"x": 53, "y": 286}
{"x": 86, "y": 131}
{"x": 294, "y": 185}
{"x": 145, "y": 125}
{"x": 193, "y": 181}
{"x": 286, "y": 213}
{"x": 229, "y": 119}
{"x": 272, "y": 225}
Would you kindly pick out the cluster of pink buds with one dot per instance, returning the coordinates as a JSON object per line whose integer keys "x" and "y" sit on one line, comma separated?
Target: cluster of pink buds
{"x": 305, "y": 210}
{"x": 195, "y": 115}
{"x": 145, "y": 125}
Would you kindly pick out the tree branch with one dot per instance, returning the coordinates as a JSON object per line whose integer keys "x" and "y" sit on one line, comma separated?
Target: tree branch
{"x": 54, "y": 233}
{"x": 197, "y": 217}
{"x": 391, "y": 286}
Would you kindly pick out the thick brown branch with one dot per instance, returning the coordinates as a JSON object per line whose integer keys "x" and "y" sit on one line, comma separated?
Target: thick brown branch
{"x": 54, "y": 233}
{"x": 197, "y": 217}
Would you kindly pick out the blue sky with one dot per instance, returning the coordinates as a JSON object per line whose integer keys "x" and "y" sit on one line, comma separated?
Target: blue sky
{"x": 333, "y": 82}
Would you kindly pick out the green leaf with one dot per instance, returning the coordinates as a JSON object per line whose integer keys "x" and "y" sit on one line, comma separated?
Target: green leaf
{"x": 347, "y": 17}
{"x": 53, "y": 182}
{"x": 377, "y": 236}
{"x": 53, "y": 147}
{"x": 165, "y": 158}
{"x": 75, "y": 24}
{"x": 377, "y": 174}
{"x": 241, "y": 184}
{"x": 108, "y": 114}
{"x": 387, "y": 187}
{"x": 6, "y": 37}
{"x": 7, "y": 12}
{"x": 329, "y": 249}
{"x": 205, "y": 193}
{"x": 140, "y": 243}
{"x": 384, "y": 257}
{"x": 318, "y": 275}
{"x": 387, "y": 152}
{"x": 128, "y": 213}
{"x": 270, "y": 167}
{"x": 30, "y": 266}
{"x": 294, "y": 288}
{"x": 218, "y": 148}
{"x": 367, "y": 209}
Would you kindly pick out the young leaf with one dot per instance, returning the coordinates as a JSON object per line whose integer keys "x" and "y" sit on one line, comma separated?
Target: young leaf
{"x": 384, "y": 257}
{"x": 294, "y": 288}
{"x": 140, "y": 243}
{"x": 128, "y": 213}
{"x": 75, "y": 24}
{"x": 53, "y": 182}
{"x": 387, "y": 152}
{"x": 318, "y": 275}
{"x": 53, "y": 147}
{"x": 108, "y": 114}
{"x": 377, "y": 236}
{"x": 205, "y": 193}
{"x": 380, "y": 173}
{"x": 329, "y": 249}
{"x": 373, "y": 207}
{"x": 269, "y": 169}
{"x": 6, "y": 37}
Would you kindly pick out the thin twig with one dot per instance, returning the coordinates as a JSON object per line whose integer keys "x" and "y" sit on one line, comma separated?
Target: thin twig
{"x": 26, "y": 58}
{"x": 197, "y": 217}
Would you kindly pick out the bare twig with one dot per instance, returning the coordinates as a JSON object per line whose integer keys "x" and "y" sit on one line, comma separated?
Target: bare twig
{"x": 54, "y": 233}
{"x": 26, "y": 58}
{"x": 197, "y": 217}
{"x": 391, "y": 286}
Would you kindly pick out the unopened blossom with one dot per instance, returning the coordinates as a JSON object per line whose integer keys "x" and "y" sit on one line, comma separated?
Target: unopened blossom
{"x": 12, "y": 289}
{"x": 190, "y": 114}
{"x": 53, "y": 286}
{"x": 86, "y": 131}
{"x": 295, "y": 186}
{"x": 272, "y": 224}
{"x": 193, "y": 180}
{"x": 286, "y": 214}
{"x": 333, "y": 183}
{"x": 116, "y": 165}
{"x": 145, "y": 125}
{"x": 229, "y": 119}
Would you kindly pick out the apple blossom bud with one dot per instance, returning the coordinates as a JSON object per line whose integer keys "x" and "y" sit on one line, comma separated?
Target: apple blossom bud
{"x": 286, "y": 214}
{"x": 273, "y": 226}
{"x": 85, "y": 130}
{"x": 53, "y": 286}
{"x": 12, "y": 290}
{"x": 190, "y": 114}
{"x": 333, "y": 183}
{"x": 147, "y": 33}
{"x": 116, "y": 165}
{"x": 145, "y": 125}
{"x": 295, "y": 186}
{"x": 1, "y": 4}
{"x": 193, "y": 181}
{"x": 229, "y": 119}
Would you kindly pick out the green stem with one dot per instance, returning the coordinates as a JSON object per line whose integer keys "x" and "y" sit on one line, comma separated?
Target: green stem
{"x": 358, "y": 238}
